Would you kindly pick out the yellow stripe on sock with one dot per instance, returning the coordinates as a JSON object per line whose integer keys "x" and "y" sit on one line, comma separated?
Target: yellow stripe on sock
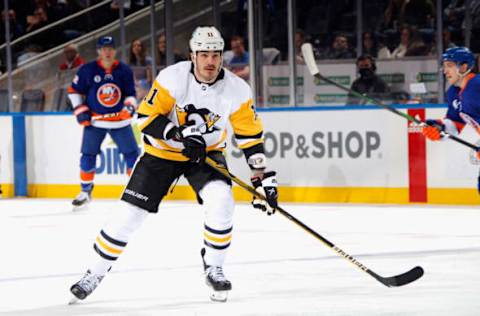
{"x": 216, "y": 239}
{"x": 107, "y": 247}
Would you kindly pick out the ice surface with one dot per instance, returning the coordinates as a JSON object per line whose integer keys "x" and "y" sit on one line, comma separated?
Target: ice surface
{"x": 275, "y": 267}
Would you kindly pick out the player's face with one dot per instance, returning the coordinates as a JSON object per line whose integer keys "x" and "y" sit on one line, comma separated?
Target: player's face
{"x": 107, "y": 54}
{"x": 207, "y": 65}
{"x": 452, "y": 71}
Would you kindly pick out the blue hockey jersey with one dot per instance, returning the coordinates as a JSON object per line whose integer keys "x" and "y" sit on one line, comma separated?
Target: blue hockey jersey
{"x": 464, "y": 104}
{"x": 105, "y": 90}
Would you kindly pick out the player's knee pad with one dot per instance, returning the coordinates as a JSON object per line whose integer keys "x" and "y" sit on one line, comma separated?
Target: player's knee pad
{"x": 218, "y": 203}
{"x": 126, "y": 220}
{"x": 87, "y": 162}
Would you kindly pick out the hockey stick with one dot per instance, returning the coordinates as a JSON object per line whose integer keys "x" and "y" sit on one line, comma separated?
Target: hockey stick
{"x": 103, "y": 116}
{"x": 393, "y": 281}
{"x": 314, "y": 71}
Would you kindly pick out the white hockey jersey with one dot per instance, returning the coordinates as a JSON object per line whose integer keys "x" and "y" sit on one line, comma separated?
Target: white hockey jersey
{"x": 177, "y": 95}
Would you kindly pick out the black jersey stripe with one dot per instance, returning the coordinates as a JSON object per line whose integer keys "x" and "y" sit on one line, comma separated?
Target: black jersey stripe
{"x": 259, "y": 135}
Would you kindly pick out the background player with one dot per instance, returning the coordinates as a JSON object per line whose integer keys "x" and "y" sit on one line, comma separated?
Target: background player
{"x": 463, "y": 96}
{"x": 103, "y": 97}
{"x": 184, "y": 118}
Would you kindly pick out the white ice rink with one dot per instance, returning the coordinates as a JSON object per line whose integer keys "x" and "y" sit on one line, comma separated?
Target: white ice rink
{"x": 275, "y": 267}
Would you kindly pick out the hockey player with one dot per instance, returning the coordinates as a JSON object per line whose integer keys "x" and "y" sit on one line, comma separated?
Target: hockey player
{"x": 183, "y": 119}
{"x": 103, "y": 98}
{"x": 462, "y": 96}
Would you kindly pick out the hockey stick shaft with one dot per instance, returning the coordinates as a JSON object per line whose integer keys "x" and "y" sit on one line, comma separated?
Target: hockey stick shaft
{"x": 313, "y": 68}
{"x": 385, "y": 281}
{"x": 103, "y": 116}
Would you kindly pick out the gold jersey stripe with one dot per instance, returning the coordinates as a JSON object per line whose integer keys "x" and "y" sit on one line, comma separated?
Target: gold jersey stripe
{"x": 217, "y": 239}
{"x": 170, "y": 155}
{"x": 164, "y": 154}
{"x": 158, "y": 101}
{"x": 107, "y": 247}
{"x": 245, "y": 121}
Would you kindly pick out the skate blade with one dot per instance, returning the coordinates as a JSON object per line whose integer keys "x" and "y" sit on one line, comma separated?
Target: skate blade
{"x": 219, "y": 296}
{"x": 73, "y": 300}
{"x": 80, "y": 207}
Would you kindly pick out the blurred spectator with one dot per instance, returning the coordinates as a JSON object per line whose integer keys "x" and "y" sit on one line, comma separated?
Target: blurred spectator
{"x": 419, "y": 13}
{"x": 369, "y": 83}
{"x": 417, "y": 46}
{"x": 405, "y": 41}
{"x": 161, "y": 58}
{"x": 115, "y": 6}
{"x": 373, "y": 47}
{"x": 369, "y": 44}
{"x": 141, "y": 66}
{"x": 72, "y": 58}
{"x": 455, "y": 13}
{"x": 372, "y": 14}
{"x": 38, "y": 20}
{"x": 339, "y": 48}
{"x": 411, "y": 44}
{"x": 31, "y": 51}
{"x": 299, "y": 41}
{"x": 16, "y": 29}
{"x": 447, "y": 38}
{"x": 392, "y": 14}
{"x": 238, "y": 59}
{"x": 447, "y": 41}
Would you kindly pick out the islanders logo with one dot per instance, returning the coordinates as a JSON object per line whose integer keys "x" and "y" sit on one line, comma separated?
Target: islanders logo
{"x": 109, "y": 94}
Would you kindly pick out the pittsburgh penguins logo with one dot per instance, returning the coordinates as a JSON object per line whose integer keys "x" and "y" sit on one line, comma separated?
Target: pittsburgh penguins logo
{"x": 109, "y": 94}
{"x": 202, "y": 118}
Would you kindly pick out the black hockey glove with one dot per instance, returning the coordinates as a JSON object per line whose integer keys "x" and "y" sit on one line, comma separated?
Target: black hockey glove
{"x": 266, "y": 184}
{"x": 195, "y": 146}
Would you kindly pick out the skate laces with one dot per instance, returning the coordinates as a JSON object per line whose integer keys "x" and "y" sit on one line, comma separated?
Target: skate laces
{"x": 216, "y": 273}
{"x": 90, "y": 281}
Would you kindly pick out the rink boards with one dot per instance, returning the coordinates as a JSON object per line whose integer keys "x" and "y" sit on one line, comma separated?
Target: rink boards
{"x": 322, "y": 154}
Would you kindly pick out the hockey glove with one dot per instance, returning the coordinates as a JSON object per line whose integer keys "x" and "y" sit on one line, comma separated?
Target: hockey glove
{"x": 83, "y": 115}
{"x": 195, "y": 146}
{"x": 266, "y": 184}
{"x": 433, "y": 129}
{"x": 128, "y": 110}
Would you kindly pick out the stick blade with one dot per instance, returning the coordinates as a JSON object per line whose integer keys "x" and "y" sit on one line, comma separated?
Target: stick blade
{"x": 309, "y": 58}
{"x": 403, "y": 279}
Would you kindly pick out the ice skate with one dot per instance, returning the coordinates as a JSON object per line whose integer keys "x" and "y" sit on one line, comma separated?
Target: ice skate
{"x": 82, "y": 200}
{"x": 83, "y": 288}
{"x": 216, "y": 281}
